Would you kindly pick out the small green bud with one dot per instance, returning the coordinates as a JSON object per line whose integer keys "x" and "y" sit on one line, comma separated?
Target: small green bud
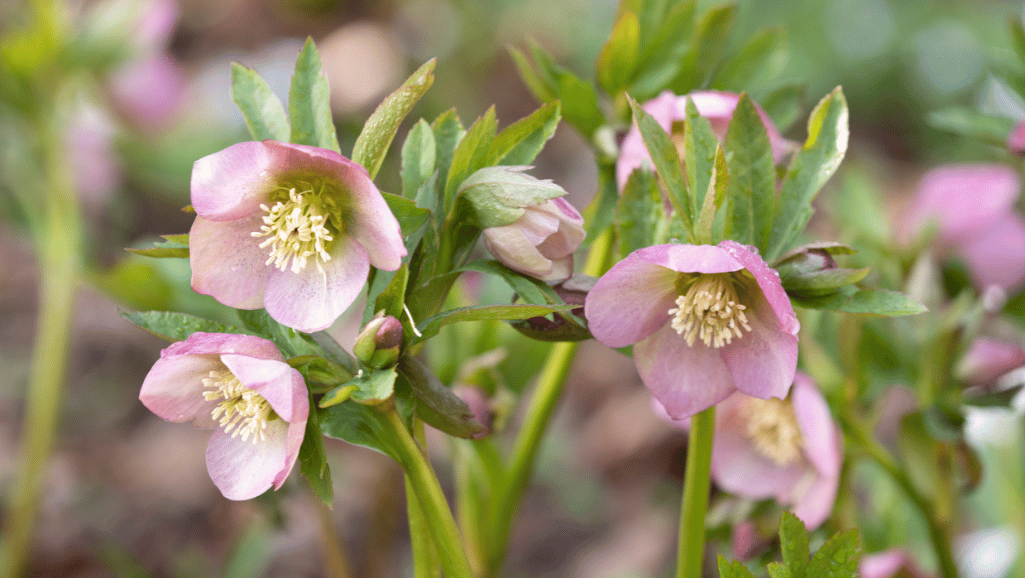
{"x": 379, "y": 343}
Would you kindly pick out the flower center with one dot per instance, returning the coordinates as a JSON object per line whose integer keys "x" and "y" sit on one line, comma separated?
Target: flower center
{"x": 772, "y": 426}
{"x": 710, "y": 310}
{"x": 300, "y": 225}
{"x": 243, "y": 410}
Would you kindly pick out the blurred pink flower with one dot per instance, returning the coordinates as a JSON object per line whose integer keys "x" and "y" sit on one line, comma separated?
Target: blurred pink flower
{"x": 704, "y": 320}
{"x": 973, "y": 207}
{"x": 240, "y": 385}
{"x": 668, "y": 108}
{"x": 1016, "y": 139}
{"x": 541, "y": 243}
{"x": 291, "y": 228}
{"x": 987, "y": 359}
{"x": 889, "y": 564}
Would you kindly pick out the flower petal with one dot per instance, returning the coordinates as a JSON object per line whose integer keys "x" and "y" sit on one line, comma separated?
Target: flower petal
{"x": 511, "y": 246}
{"x": 964, "y": 200}
{"x": 632, "y": 152}
{"x": 242, "y": 470}
{"x": 630, "y": 301}
{"x": 684, "y": 379}
{"x": 822, "y": 439}
{"x": 997, "y": 256}
{"x": 815, "y": 504}
{"x": 173, "y": 388}
{"x": 769, "y": 283}
{"x": 689, "y": 258}
{"x": 227, "y": 261}
{"x": 313, "y": 299}
{"x": 762, "y": 363}
{"x": 232, "y": 183}
{"x": 276, "y": 381}
{"x": 370, "y": 219}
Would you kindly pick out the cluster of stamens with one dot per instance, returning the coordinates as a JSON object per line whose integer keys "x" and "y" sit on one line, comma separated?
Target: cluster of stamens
{"x": 243, "y": 410}
{"x": 296, "y": 229}
{"x": 710, "y": 310}
{"x": 772, "y": 426}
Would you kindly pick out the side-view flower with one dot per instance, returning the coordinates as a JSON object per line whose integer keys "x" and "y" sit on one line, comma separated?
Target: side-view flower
{"x": 291, "y": 228}
{"x": 705, "y": 321}
{"x": 241, "y": 386}
{"x": 541, "y": 242}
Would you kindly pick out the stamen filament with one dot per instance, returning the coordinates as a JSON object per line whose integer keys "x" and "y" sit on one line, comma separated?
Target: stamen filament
{"x": 243, "y": 412}
{"x": 296, "y": 229}
{"x": 711, "y": 311}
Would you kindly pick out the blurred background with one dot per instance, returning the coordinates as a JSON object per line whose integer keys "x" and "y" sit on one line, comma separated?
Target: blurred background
{"x": 127, "y": 495}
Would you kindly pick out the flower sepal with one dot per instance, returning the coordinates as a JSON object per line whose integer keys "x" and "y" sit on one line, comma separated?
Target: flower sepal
{"x": 380, "y": 342}
{"x": 499, "y": 195}
{"x": 811, "y": 271}
{"x": 373, "y": 387}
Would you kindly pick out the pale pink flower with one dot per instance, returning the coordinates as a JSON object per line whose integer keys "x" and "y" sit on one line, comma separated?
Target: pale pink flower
{"x": 704, "y": 321}
{"x": 241, "y": 386}
{"x": 1016, "y": 139}
{"x": 987, "y": 359}
{"x": 541, "y": 242}
{"x": 668, "y": 108}
{"x": 890, "y": 564}
{"x": 973, "y": 208}
{"x": 287, "y": 227}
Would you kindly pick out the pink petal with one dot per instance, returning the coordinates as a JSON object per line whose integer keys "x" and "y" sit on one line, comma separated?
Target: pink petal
{"x": 156, "y": 24}
{"x": 632, "y": 152}
{"x": 684, "y": 379}
{"x": 148, "y": 90}
{"x": 689, "y": 258}
{"x": 1016, "y": 139}
{"x": 997, "y": 256}
{"x": 173, "y": 388}
{"x": 964, "y": 200}
{"x": 232, "y": 183}
{"x": 511, "y": 246}
{"x": 570, "y": 233}
{"x": 822, "y": 438}
{"x": 887, "y": 564}
{"x": 630, "y": 301}
{"x": 762, "y": 362}
{"x": 987, "y": 359}
{"x": 227, "y": 261}
{"x": 312, "y": 299}
{"x": 242, "y": 470}
{"x": 370, "y": 220}
{"x": 769, "y": 283}
{"x": 275, "y": 380}
{"x": 200, "y": 343}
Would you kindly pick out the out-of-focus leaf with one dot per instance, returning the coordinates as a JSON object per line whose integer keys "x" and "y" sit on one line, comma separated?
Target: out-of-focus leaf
{"x": 1002, "y": 398}
{"x": 794, "y": 543}
{"x": 784, "y": 105}
{"x": 418, "y": 156}
{"x": 579, "y": 98}
{"x": 309, "y": 106}
{"x": 173, "y": 247}
{"x": 313, "y": 458}
{"x": 520, "y": 142}
{"x": 763, "y": 56}
{"x": 707, "y": 48}
{"x": 850, "y": 299}
{"x": 264, "y": 113}
{"x": 251, "y": 555}
{"x": 174, "y": 326}
{"x": 734, "y": 569}
{"x": 373, "y": 142}
{"x": 972, "y": 123}
{"x": 752, "y": 176}
{"x": 436, "y": 404}
{"x": 471, "y": 152}
{"x": 530, "y": 76}
{"x": 618, "y": 57}
{"x": 662, "y": 51}
{"x": 667, "y": 163}
{"x": 430, "y": 326}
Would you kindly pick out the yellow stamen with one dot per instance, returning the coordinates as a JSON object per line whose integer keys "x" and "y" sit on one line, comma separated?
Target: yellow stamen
{"x": 296, "y": 228}
{"x": 710, "y": 310}
{"x": 772, "y": 426}
{"x": 243, "y": 410}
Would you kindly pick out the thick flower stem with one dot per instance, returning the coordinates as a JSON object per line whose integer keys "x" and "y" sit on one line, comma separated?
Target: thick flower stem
{"x": 425, "y": 556}
{"x": 438, "y": 516}
{"x": 695, "y": 495}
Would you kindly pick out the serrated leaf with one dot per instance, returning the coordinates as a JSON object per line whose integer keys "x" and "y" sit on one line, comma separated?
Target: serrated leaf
{"x": 640, "y": 212}
{"x": 309, "y": 102}
{"x": 699, "y": 146}
{"x": 667, "y": 163}
{"x": 430, "y": 326}
{"x": 263, "y": 111}
{"x": 471, "y": 152}
{"x": 173, "y": 247}
{"x": 520, "y": 142}
{"x": 662, "y": 54}
{"x": 713, "y": 199}
{"x": 448, "y": 132}
{"x": 174, "y": 326}
{"x": 972, "y": 123}
{"x": 793, "y": 536}
{"x": 752, "y": 176}
{"x": 313, "y": 458}
{"x": 436, "y": 404}
{"x": 849, "y": 299}
{"x": 732, "y": 569}
{"x": 763, "y": 56}
{"x": 707, "y": 47}
{"x": 418, "y": 158}
{"x": 373, "y": 141}
{"x": 837, "y": 558}
{"x": 618, "y": 57}
{"x": 812, "y": 166}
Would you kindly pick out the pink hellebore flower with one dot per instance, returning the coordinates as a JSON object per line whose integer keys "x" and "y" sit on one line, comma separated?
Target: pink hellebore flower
{"x": 541, "y": 242}
{"x": 240, "y": 385}
{"x": 890, "y": 564}
{"x": 988, "y": 359}
{"x": 668, "y": 108}
{"x": 287, "y": 227}
{"x": 1016, "y": 139}
{"x": 705, "y": 321}
{"x": 973, "y": 206}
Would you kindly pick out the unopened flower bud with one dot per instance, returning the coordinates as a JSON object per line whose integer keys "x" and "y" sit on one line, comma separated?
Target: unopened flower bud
{"x": 379, "y": 343}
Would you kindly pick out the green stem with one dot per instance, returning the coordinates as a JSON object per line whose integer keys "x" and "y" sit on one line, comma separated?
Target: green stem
{"x": 425, "y": 557}
{"x": 938, "y": 531}
{"x": 425, "y": 486}
{"x": 694, "y": 505}
{"x": 335, "y": 559}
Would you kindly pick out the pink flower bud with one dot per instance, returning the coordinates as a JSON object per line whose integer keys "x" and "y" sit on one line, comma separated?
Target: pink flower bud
{"x": 541, "y": 242}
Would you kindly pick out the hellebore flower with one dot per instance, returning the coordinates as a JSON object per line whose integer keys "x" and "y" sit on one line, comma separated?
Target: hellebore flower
{"x": 287, "y": 227}
{"x": 670, "y": 111}
{"x": 973, "y": 207}
{"x": 987, "y": 359}
{"x": 541, "y": 242}
{"x": 240, "y": 385}
{"x": 889, "y": 564}
{"x": 1016, "y": 139}
{"x": 705, "y": 321}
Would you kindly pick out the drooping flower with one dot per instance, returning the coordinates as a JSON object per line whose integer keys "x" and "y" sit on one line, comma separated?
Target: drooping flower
{"x": 670, "y": 111}
{"x": 287, "y": 227}
{"x": 705, "y": 321}
{"x": 541, "y": 243}
{"x": 241, "y": 386}
{"x": 973, "y": 208}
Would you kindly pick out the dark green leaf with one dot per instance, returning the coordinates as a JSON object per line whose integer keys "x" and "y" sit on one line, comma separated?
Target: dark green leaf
{"x": 662, "y": 54}
{"x": 972, "y": 123}
{"x": 763, "y": 56}
{"x": 520, "y": 142}
{"x": 309, "y": 102}
{"x": 640, "y": 213}
{"x": 411, "y": 217}
{"x": 392, "y": 298}
{"x": 811, "y": 168}
{"x": 287, "y": 339}
{"x": 448, "y": 132}
{"x": 784, "y": 105}
{"x": 418, "y": 156}
{"x": 313, "y": 458}
{"x": 752, "y": 176}
{"x": 793, "y": 538}
{"x": 174, "y": 246}
{"x": 531, "y": 290}
{"x": 714, "y": 197}
{"x": 264, "y": 113}
{"x": 618, "y": 57}
{"x": 436, "y": 404}
{"x": 1002, "y": 398}
{"x": 837, "y": 558}
{"x": 430, "y": 326}
{"x": 334, "y": 352}
{"x": 699, "y": 146}
{"x": 373, "y": 142}
{"x": 734, "y": 569}
{"x": 368, "y": 388}
{"x": 359, "y": 425}
{"x": 667, "y": 163}
{"x": 175, "y": 326}
{"x": 707, "y": 48}
{"x": 471, "y": 152}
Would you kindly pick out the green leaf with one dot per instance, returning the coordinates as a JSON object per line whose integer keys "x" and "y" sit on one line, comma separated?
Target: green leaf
{"x": 174, "y": 326}
{"x": 418, "y": 158}
{"x": 537, "y": 85}
{"x": 972, "y": 123}
{"x": 173, "y": 247}
{"x": 250, "y": 556}
{"x": 662, "y": 54}
{"x": 734, "y": 569}
{"x": 313, "y": 458}
{"x": 667, "y": 163}
{"x": 470, "y": 154}
{"x": 520, "y": 142}
{"x": 411, "y": 218}
{"x": 1017, "y": 35}
{"x": 601, "y": 213}
{"x": 640, "y": 212}
{"x": 714, "y": 197}
{"x": 309, "y": 102}
{"x": 532, "y": 291}
{"x": 824, "y": 282}
{"x": 263, "y": 111}
{"x": 784, "y": 105}
{"x": 430, "y": 326}
{"x": 436, "y": 404}
{"x": 699, "y": 146}
{"x": 777, "y": 570}
{"x": 618, "y": 57}
{"x": 707, "y": 48}
{"x": 811, "y": 168}
{"x": 850, "y": 299}
{"x": 837, "y": 558}
{"x": 752, "y": 176}
{"x": 448, "y": 132}
{"x": 763, "y": 56}
{"x": 393, "y": 296}
{"x": 359, "y": 425}
{"x": 793, "y": 536}
{"x": 373, "y": 142}
{"x": 287, "y": 339}
{"x": 580, "y": 104}
{"x": 368, "y": 388}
